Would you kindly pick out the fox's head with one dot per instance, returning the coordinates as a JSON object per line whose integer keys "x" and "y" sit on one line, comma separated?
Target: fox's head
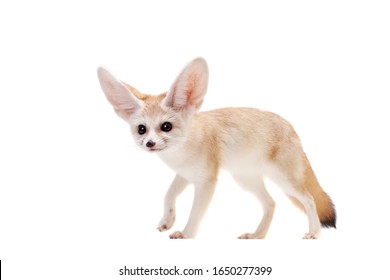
{"x": 159, "y": 122}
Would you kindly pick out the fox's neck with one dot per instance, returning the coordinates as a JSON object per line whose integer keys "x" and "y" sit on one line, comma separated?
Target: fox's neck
{"x": 178, "y": 161}
{"x": 176, "y": 156}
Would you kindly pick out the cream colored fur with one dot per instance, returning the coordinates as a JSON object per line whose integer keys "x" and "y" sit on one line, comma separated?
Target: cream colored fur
{"x": 249, "y": 143}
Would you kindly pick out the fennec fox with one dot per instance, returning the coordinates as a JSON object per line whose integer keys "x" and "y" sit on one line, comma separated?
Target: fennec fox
{"x": 249, "y": 143}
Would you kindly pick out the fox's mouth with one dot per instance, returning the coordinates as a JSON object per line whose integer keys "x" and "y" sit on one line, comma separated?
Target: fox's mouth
{"x": 155, "y": 149}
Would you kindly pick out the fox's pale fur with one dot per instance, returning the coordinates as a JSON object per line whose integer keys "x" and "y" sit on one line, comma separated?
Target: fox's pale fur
{"x": 249, "y": 143}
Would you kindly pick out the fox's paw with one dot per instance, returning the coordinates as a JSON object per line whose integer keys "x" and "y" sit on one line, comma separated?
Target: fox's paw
{"x": 251, "y": 236}
{"x": 162, "y": 228}
{"x": 177, "y": 235}
{"x": 167, "y": 222}
{"x": 311, "y": 235}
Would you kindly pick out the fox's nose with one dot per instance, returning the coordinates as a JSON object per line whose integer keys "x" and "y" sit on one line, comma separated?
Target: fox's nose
{"x": 150, "y": 144}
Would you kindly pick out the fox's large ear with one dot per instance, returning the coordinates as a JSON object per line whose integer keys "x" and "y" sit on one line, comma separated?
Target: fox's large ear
{"x": 189, "y": 88}
{"x": 120, "y": 96}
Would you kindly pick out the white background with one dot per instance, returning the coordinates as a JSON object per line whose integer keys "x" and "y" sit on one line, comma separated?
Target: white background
{"x": 79, "y": 201}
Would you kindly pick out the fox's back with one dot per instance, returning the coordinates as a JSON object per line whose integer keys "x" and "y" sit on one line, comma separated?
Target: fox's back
{"x": 241, "y": 136}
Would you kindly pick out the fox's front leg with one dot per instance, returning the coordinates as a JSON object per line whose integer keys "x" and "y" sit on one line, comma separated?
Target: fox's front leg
{"x": 175, "y": 189}
{"x": 203, "y": 193}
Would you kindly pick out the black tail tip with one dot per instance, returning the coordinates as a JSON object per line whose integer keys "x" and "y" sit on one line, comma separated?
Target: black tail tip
{"x": 329, "y": 222}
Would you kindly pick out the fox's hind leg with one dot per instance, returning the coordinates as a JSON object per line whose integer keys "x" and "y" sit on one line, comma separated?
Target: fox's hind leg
{"x": 255, "y": 185}
{"x": 294, "y": 189}
{"x": 310, "y": 208}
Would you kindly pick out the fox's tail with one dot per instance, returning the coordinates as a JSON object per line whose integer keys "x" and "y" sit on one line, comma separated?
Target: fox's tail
{"x": 325, "y": 208}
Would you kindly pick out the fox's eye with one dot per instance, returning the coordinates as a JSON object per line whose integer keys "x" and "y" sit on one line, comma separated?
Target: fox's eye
{"x": 167, "y": 126}
{"x": 141, "y": 129}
